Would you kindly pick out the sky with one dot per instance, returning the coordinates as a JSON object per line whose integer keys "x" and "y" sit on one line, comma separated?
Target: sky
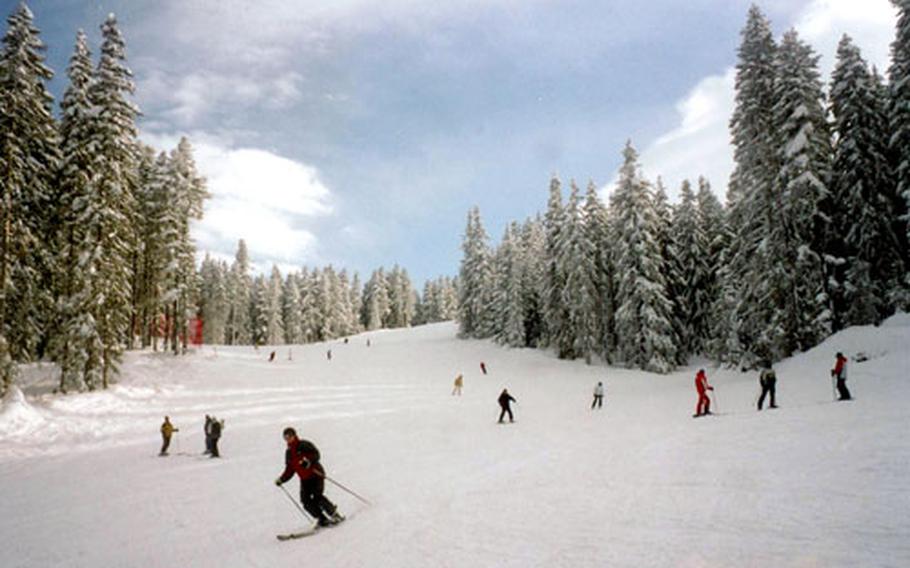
{"x": 358, "y": 133}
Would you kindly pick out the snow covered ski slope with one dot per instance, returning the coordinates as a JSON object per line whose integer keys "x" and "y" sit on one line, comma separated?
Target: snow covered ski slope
{"x": 637, "y": 483}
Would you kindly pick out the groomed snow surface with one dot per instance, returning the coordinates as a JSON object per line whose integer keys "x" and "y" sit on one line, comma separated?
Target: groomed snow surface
{"x": 639, "y": 483}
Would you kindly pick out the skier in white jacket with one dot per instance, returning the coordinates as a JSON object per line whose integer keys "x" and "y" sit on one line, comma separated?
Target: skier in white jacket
{"x": 598, "y": 395}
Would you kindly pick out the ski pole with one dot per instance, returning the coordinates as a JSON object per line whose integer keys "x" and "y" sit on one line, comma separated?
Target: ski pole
{"x": 327, "y": 478}
{"x": 296, "y": 504}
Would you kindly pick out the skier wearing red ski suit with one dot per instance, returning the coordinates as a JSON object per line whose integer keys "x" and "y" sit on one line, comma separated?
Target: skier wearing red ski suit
{"x": 701, "y": 385}
{"x": 302, "y": 458}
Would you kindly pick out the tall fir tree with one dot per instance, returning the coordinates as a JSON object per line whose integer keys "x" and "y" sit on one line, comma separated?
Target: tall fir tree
{"x": 865, "y": 247}
{"x": 555, "y": 318}
{"x": 475, "y": 276}
{"x": 798, "y": 237}
{"x": 645, "y": 335}
{"x": 29, "y": 159}
{"x": 577, "y": 260}
{"x": 899, "y": 126}
{"x": 751, "y": 194}
{"x": 114, "y": 171}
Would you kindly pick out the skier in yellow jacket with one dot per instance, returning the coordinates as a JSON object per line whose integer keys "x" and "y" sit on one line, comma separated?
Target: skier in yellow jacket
{"x": 166, "y": 430}
{"x": 459, "y": 382}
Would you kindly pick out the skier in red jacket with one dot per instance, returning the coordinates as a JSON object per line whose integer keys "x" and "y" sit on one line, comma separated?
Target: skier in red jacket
{"x": 302, "y": 458}
{"x": 701, "y": 385}
{"x": 839, "y": 372}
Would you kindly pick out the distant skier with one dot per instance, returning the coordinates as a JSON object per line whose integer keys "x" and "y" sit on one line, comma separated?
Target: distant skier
{"x": 701, "y": 385}
{"x": 328, "y": 354}
{"x": 483, "y": 367}
{"x": 459, "y": 382}
{"x": 271, "y": 356}
{"x": 216, "y": 428}
{"x": 368, "y": 342}
{"x": 345, "y": 340}
{"x": 598, "y": 395}
{"x": 504, "y": 403}
{"x": 302, "y": 458}
{"x": 768, "y": 380}
{"x": 167, "y": 429}
{"x": 839, "y": 372}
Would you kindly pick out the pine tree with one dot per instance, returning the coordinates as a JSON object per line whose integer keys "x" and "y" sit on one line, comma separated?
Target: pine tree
{"x": 114, "y": 178}
{"x": 76, "y": 338}
{"x": 555, "y": 317}
{"x": 533, "y": 246}
{"x": 214, "y": 304}
{"x": 752, "y": 201}
{"x": 291, "y": 312}
{"x": 475, "y": 275}
{"x": 577, "y": 261}
{"x": 673, "y": 285}
{"x": 645, "y": 336}
{"x": 596, "y": 227}
{"x": 239, "y": 330}
{"x": 797, "y": 240}
{"x": 866, "y": 248}
{"x": 509, "y": 328}
{"x": 899, "y": 126}
{"x": 691, "y": 285}
{"x": 274, "y": 325}
{"x": 29, "y": 159}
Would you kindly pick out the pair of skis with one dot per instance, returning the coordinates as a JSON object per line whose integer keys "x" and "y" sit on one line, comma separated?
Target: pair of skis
{"x": 310, "y": 531}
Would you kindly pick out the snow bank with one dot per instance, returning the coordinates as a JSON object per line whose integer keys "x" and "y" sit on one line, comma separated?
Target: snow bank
{"x": 18, "y": 418}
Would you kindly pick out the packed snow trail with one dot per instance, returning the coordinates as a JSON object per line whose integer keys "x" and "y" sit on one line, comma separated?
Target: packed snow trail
{"x": 637, "y": 483}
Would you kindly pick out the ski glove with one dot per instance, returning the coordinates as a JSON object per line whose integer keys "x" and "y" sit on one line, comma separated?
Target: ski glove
{"x": 278, "y": 482}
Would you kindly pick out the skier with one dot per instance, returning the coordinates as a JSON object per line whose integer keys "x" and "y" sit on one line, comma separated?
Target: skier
{"x": 328, "y": 354}
{"x": 704, "y": 403}
{"x": 504, "y": 399}
{"x": 767, "y": 379}
{"x": 271, "y": 356}
{"x": 302, "y": 458}
{"x": 598, "y": 395}
{"x": 840, "y": 373}
{"x": 166, "y": 430}
{"x": 483, "y": 367}
{"x": 368, "y": 342}
{"x": 216, "y": 428}
{"x": 459, "y": 382}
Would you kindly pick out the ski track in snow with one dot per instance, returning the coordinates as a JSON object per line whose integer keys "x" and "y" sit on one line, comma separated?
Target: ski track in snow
{"x": 638, "y": 483}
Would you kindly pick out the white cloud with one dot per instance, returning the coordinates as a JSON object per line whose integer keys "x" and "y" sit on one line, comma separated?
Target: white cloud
{"x": 700, "y": 145}
{"x": 257, "y": 196}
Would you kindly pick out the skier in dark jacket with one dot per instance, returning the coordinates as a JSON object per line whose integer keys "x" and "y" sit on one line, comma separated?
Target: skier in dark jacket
{"x": 302, "y": 458}
{"x": 840, "y": 373}
{"x": 768, "y": 381}
{"x": 504, "y": 403}
{"x": 216, "y": 427}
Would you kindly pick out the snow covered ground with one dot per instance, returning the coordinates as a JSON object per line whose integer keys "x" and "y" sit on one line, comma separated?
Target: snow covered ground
{"x": 639, "y": 483}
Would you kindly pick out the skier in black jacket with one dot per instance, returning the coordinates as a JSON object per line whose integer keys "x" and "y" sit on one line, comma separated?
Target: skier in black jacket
{"x": 768, "y": 381}
{"x": 504, "y": 399}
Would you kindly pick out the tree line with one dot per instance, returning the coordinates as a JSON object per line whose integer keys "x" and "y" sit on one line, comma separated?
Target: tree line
{"x": 312, "y": 305}
{"x": 813, "y": 236}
